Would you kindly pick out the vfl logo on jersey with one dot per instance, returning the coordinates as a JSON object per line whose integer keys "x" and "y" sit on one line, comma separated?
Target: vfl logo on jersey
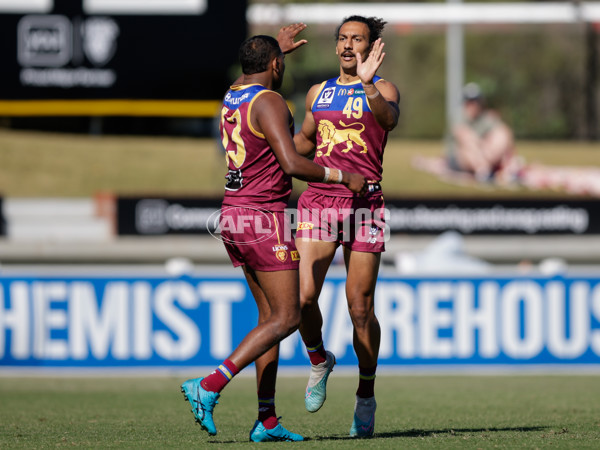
{"x": 281, "y": 252}
{"x": 332, "y": 136}
{"x": 295, "y": 255}
{"x": 326, "y": 98}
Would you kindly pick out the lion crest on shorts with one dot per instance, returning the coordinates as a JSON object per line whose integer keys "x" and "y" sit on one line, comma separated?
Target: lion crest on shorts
{"x": 281, "y": 252}
{"x": 332, "y": 136}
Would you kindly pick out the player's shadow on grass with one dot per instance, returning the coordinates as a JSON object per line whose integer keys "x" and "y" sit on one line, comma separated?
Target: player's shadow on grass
{"x": 416, "y": 433}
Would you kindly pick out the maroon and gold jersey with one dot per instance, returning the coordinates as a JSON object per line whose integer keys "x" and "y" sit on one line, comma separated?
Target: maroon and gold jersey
{"x": 348, "y": 136}
{"x": 254, "y": 176}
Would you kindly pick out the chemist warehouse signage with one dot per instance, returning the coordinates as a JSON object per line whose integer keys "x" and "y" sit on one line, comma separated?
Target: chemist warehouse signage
{"x": 157, "y": 322}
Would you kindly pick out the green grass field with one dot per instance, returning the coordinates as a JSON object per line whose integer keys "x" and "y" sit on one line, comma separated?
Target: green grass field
{"x": 528, "y": 411}
{"x": 36, "y": 164}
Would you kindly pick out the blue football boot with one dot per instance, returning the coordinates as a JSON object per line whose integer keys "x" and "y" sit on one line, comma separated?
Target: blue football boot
{"x": 260, "y": 434}
{"x": 203, "y": 403}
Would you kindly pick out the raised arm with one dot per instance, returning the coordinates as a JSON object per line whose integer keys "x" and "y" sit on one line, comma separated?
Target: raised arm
{"x": 383, "y": 97}
{"x": 286, "y": 37}
{"x": 271, "y": 116}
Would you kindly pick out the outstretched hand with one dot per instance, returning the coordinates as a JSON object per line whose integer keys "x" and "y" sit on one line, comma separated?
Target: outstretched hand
{"x": 367, "y": 69}
{"x": 286, "y": 37}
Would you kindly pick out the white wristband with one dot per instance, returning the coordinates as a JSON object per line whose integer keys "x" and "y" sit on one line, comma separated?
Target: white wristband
{"x": 371, "y": 97}
{"x": 332, "y": 176}
{"x": 339, "y": 177}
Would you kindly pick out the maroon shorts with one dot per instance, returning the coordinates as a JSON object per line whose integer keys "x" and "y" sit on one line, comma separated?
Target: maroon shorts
{"x": 259, "y": 239}
{"x": 358, "y": 223}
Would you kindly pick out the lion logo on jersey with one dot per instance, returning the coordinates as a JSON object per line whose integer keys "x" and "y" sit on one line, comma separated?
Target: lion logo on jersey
{"x": 332, "y": 136}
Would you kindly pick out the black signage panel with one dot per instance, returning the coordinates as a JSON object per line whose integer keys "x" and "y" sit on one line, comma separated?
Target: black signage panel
{"x": 100, "y": 49}
{"x": 160, "y": 216}
{"x": 494, "y": 217}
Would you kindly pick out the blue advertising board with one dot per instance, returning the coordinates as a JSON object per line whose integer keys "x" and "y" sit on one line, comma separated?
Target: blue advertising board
{"x": 156, "y": 322}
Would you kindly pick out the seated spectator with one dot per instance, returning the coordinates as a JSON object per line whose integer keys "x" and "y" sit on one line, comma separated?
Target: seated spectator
{"x": 481, "y": 144}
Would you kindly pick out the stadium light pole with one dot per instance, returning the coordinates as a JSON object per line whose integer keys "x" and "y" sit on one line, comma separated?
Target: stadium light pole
{"x": 591, "y": 73}
{"x": 454, "y": 69}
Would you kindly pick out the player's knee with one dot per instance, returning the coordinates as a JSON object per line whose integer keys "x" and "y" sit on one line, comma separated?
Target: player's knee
{"x": 286, "y": 322}
{"x": 293, "y": 320}
{"x": 308, "y": 300}
{"x": 361, "y": 313}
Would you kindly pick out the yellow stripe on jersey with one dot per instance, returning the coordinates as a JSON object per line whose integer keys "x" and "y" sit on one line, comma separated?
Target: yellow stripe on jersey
{"x": 254, "y": 131}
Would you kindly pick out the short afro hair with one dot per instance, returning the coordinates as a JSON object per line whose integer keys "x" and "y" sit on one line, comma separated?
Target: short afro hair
{"x": 256, "y": 52}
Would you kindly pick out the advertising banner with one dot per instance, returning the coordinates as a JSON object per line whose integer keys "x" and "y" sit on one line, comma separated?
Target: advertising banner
{"x": 501, "y": 216}
{"x": 164, "y": 215}
{"x": 154, "y": 322}
{"x": 127, "y": 57}
{"x": 148, "y": 216}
